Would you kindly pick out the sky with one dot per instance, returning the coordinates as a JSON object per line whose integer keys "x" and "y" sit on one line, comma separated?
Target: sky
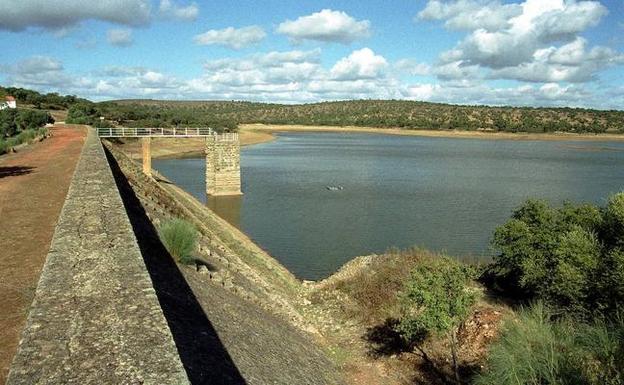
{"x": 493, "y": 52}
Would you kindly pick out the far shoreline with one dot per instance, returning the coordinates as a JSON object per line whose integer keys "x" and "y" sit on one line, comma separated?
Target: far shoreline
{"x": 461, "y": 134}
{"x": 251, "y": 134}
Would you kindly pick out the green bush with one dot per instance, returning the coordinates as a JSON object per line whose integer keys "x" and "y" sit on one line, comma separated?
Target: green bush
{"x": 571, "y": 257}
{"x": 180, "y": 239}
{"x": 535, "y": 349}
{"x": 436, "y": 301}
{"x": 26, "y": 136}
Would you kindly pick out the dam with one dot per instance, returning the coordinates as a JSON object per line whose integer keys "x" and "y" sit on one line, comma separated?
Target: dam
{"x": 113, "y": 307}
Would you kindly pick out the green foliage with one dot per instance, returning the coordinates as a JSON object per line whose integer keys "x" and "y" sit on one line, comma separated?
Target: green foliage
{"x": 52, "y": 101}
{"x": 436, "y": 299}
{"x": 537, "y": 350}
{"x": 82, "y": 113}
{"x": 570, "y": 257}
{"x": 226, "y": 115}
{"x": 180, "y": 239}
{"x": 13, "y": 121}
{"x": 25, "y": 136}
{"x": 21, "y": 125}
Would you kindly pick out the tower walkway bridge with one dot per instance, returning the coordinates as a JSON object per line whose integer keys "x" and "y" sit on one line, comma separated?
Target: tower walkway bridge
{"x": 223, "y": 176}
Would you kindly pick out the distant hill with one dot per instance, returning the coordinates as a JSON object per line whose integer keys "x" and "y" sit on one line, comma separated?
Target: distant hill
{"x": 49, "y": 101}
{"x": 371, "y": 113}
{"x": 226, "y": 115}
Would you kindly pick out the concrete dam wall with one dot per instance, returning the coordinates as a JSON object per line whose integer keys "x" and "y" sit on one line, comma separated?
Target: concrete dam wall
{"x": 95, "y": 317}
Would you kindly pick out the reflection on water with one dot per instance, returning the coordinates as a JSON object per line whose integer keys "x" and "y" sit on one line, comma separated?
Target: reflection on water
{"x": 444, "y": 194}
{"x": 227, "y": 207}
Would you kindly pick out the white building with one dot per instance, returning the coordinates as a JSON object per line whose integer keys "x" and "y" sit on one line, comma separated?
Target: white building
{"x": 9, "y": 103}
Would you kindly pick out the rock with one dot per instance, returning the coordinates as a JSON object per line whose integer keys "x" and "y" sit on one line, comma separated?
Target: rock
{"x": 202, "y": 269}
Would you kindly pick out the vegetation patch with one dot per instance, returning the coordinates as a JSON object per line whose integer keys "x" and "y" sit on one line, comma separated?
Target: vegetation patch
{"x": 537, "y": 347}
{"x": 412, "y": 115}
{"x": 180, "y": 239}
{"x": 571, "y": 257}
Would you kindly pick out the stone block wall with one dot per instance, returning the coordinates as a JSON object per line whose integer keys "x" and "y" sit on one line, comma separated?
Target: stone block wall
{"x": 223, "y": 175}
{"x": 95, "y": 318}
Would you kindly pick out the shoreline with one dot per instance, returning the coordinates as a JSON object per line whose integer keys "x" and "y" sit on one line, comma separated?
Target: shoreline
{"x": 490, "y": 135}
{"x": 251, "y": 134}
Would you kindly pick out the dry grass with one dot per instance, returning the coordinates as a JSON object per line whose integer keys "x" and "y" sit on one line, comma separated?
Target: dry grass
{"x": 373, "y": 290}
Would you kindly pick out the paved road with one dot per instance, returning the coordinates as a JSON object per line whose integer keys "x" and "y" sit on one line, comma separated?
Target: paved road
{"x": 33, "y": 186}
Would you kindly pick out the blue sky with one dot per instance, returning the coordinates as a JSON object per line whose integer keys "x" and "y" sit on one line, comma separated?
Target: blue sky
{"x": 533, "y": 52}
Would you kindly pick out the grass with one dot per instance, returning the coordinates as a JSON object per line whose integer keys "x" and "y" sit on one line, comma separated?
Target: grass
{"x": 26, "y": 136}
{"x": 180, "y": 239}
{"x": 538, "y": 348}
{"x": 374, "y": 289}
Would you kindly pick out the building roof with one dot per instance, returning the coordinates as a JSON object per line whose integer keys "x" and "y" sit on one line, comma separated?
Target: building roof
{"x": 10, "y": 98}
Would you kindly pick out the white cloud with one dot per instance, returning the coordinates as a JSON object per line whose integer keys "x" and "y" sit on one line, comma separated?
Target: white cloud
{"x": 413, "y": 67}
{"x": 360, "y": 64}
{"x": 120, "y": 37}
{"x": 33, "y": 65}
{"x": 326, "y": 25}
{"x": 541, "y": 23}
{"x": 298, "y": 76}
{"x": 571, "y": 62}
{"x": 535, "y": 41}
{"x": 470, "y": 14}
{"x": 295, "y": 76}
{"x": 169, "y": 10}
{"x": 232, "y": 37}
{"x": 550, "y": 94}
{"x": 56, "y": 15}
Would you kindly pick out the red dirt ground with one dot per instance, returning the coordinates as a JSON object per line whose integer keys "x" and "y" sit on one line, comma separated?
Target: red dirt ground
{"x": 33, "y": 186}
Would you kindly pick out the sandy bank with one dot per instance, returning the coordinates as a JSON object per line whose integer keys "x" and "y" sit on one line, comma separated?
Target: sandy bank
{"x": 260, "y": 133}
{"x": 272, "y": 128}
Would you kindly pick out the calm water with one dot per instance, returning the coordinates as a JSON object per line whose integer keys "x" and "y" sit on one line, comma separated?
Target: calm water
{"x": 440, "y": 193}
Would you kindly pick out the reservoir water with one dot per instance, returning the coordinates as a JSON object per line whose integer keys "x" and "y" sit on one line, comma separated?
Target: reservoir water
{"x": 444, "y": 194}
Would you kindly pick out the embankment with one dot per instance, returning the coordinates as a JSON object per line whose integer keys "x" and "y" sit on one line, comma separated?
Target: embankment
{"x": 236, "y": 315}
{"x": 95, "y": 317}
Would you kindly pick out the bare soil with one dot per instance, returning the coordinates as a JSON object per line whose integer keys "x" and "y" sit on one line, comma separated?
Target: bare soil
{"x": 480, "y": 134}
{"x": 33, "y": 186}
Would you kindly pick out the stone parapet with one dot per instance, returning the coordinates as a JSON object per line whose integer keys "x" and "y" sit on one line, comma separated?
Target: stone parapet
{"x": 95, "y": 318}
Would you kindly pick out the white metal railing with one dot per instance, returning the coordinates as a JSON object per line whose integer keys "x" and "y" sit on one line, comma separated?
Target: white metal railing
{"x": 178, "y": 132}
{"x": 228, "y": 136}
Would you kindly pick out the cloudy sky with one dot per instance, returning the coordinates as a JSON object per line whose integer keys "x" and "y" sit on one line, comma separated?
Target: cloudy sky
{"x": 536, "y": 52}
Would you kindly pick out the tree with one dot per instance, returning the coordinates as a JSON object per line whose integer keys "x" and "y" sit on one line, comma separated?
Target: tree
{"x": 570, "y": 257}
{"x": 435, "y": 301}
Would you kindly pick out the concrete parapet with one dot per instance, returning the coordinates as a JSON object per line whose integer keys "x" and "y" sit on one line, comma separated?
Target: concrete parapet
{"x": 95, "y": 318}
{"x": 223, "y": 174}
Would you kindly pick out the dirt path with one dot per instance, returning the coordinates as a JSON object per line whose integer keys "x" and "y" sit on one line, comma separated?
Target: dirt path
{"x": 33, "y": 185}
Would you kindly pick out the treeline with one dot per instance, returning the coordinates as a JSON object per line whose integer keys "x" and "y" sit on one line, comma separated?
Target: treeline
{"x": 21, "y": 125}
{"x": 371, "y": 113}
{"x": 217, "y": 115}
{"x": 14, "y": 121}
{"x": 50, "y": 101}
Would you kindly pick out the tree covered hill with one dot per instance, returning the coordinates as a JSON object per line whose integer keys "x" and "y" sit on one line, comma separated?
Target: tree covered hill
{"x": 226, "y": 115}
{"x": 371, "y": 113}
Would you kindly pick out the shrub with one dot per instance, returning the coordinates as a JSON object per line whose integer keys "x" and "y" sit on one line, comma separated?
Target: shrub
{"x": 569, "y": 257}
{"x": 180, "y": 239}
{"x": 375, "y": 288}
{"x": 535, "y": 349}
{"x": 436, "y": 300}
